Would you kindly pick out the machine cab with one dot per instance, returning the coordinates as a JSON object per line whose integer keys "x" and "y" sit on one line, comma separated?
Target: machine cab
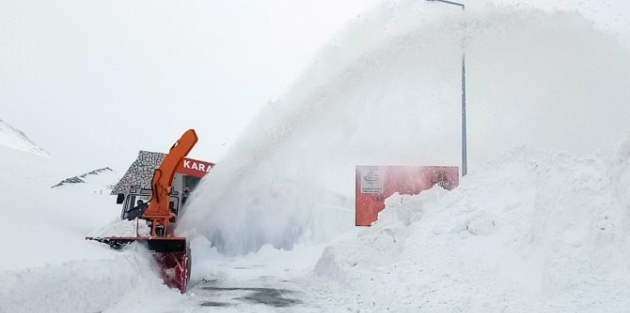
{"x": 138, "y": 197}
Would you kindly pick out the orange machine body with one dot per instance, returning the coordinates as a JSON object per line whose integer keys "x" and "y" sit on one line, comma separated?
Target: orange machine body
{"x": 159, "y": 210}
{"x": 172, "y": 253}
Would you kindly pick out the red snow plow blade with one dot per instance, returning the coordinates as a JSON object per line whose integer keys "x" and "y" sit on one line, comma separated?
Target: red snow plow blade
{"x": 171, "y": 253}
{"x": 174, "y": 263}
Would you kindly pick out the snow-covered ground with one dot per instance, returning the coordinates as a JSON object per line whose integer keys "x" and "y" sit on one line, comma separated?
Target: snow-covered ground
{"x": 542, "y": 226}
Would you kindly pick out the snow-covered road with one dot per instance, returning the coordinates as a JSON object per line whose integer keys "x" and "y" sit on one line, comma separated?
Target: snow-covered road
{"x": 264, "y": 293}
{"x": 268, "y": 281}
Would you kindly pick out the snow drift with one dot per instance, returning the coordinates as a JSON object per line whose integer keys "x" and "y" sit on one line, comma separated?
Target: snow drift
{"x": 387, "y": 92}
{"x": 532, "y": 231}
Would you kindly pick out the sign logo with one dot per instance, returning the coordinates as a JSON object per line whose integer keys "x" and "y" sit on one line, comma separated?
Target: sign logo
{"x": 372, "y": 179}
{"x": 197, "y": 166}
{"x": 194, "y": 167}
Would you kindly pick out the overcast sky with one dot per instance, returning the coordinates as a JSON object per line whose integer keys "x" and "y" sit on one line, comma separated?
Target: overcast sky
{"x": 93, "y": 82}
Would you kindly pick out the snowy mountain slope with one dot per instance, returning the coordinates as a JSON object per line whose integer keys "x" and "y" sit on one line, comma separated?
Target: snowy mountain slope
{"x": 532, "y": 231}
{"x": 14, "y": 138}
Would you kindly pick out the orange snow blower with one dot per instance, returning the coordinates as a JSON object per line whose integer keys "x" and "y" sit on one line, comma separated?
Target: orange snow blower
{"x": 171, "y": 252}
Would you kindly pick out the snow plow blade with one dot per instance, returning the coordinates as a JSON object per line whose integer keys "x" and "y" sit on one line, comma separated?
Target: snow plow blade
{"x": 171, "y": 253}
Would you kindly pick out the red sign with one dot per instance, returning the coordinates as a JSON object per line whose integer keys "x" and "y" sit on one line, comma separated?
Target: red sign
{"x": 375, "y": 183}
{"x": 194, "y": 167}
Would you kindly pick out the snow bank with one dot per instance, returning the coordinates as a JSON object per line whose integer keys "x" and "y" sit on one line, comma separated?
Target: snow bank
{"x": 117, "y": 284}
{"x": 532, "y": 231}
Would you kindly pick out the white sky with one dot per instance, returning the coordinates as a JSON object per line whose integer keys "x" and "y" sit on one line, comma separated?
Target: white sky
{"x": 93, "y": 82}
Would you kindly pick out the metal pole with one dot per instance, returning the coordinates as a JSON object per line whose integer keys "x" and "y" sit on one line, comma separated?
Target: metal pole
{"x": 464, "y": 145}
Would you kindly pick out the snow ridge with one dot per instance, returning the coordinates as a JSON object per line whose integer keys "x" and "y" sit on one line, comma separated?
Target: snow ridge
{"x": 78, "y": 180}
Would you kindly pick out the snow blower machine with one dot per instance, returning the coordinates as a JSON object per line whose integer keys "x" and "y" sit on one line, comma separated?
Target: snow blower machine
{"x": 171, "y": 252}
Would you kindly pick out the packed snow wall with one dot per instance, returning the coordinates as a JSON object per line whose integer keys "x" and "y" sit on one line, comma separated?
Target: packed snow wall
{"x": 387, "y": 91}
{"x": 534, "y": 231}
